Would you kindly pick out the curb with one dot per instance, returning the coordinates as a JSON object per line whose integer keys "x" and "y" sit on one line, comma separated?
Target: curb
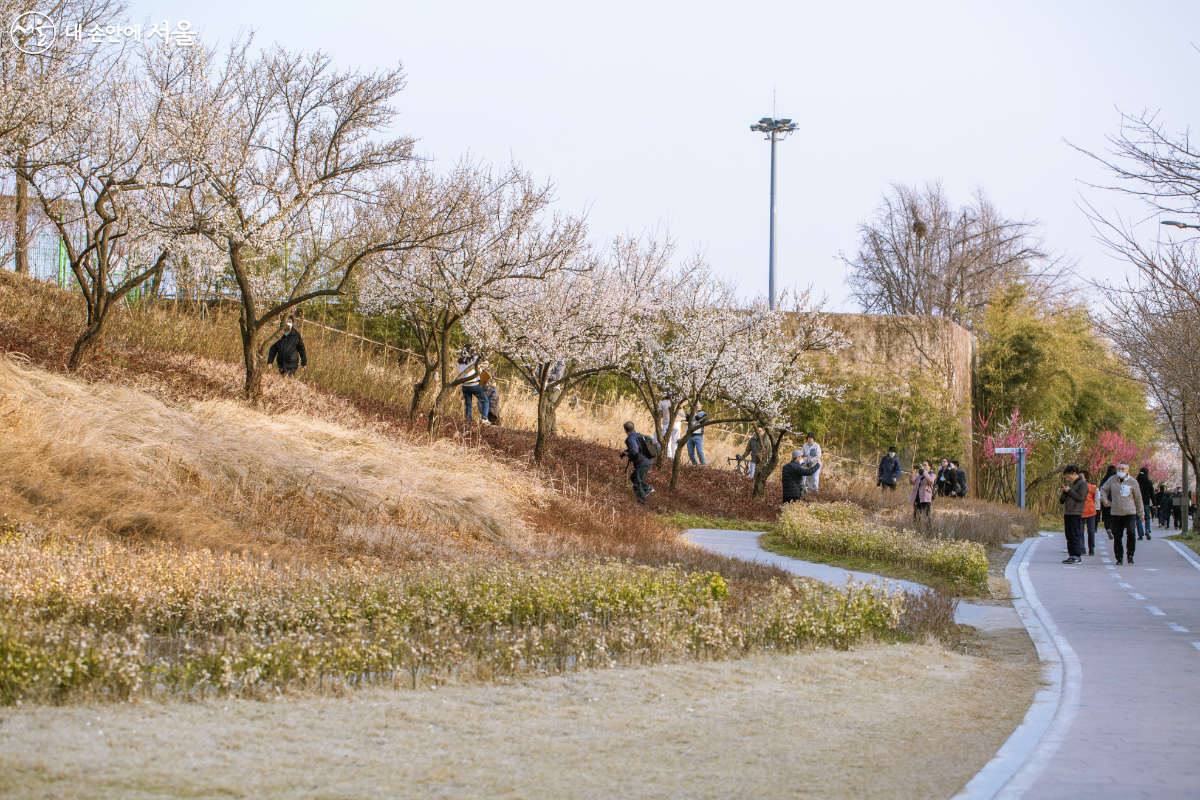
{"x": 1023, "y": 756}
{"x": 1186, "y": 552}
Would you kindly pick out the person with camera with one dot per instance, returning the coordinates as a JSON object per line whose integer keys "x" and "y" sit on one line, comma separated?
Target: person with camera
{"x": 889, "y": 470}
{"x": 923, "y": 481}
{"x": 1073, "y": 497}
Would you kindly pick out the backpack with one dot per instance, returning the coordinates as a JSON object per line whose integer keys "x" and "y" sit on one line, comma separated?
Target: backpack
{"x": 648, "y": 446}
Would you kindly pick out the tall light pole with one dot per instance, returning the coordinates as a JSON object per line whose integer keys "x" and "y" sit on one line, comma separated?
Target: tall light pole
{"x": 776, "y": 130}
{"x": 1185, "y": 445}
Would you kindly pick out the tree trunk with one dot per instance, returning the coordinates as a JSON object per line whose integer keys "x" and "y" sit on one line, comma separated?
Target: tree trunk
{"x": 87, "y": 344}
{"x": 21, "y": 227}
{"x": 676, "y": 461}
{"x": 764, "y": 471}
{"x": 423, "y": 390}
{"x": 545, "y": 416}
{"x": 251, "y": 355}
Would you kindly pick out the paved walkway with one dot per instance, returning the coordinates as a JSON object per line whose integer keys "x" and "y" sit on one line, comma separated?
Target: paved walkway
{"x": 1129, "y": 717}
{"x": 1120, "y": 716}
{"x": 744, "y": 545}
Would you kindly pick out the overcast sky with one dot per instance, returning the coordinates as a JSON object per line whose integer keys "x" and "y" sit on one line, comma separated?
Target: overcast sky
{"x": 639, "y": 112}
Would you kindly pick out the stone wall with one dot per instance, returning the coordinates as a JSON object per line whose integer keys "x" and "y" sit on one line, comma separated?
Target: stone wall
{"x": 886, "y": 345}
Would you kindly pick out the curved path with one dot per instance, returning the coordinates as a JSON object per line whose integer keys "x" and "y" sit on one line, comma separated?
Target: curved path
{"x": 1120, "y": 715}
{"x": 744, "y": 545}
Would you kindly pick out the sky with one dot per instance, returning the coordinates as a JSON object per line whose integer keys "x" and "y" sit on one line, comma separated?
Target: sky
{"x": 639, "y": 112}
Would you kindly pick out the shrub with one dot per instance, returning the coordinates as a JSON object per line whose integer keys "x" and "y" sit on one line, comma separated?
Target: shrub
{"x": 840, "y": 529}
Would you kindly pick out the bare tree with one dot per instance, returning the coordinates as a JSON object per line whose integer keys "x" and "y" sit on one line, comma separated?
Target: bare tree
{"x": 923, "y": 256}
{"x": 290, "y": 171}
{"x": 40, "y": 82}
{"x": 502, "y": 237}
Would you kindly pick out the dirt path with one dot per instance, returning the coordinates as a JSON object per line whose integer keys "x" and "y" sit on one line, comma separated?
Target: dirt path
{"x": 882, "y": 721}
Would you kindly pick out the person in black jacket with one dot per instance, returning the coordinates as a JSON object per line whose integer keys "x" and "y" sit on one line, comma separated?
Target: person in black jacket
{"x": 1073, "y": 498}
{"x": 889, "y": 470}
{"x": 289, "y": 350}
{"x": 947, "y": 480}
{"x": 641, "y": 463}
{"x": 960, "y": 480}
{"x": 794, "y": 473}
{"x": 1163, "y": 501}
{"x": 1147, "y": 489}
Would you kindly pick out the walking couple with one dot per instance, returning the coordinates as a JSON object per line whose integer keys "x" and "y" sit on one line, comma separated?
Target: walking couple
{"x": 1123, "y": 497}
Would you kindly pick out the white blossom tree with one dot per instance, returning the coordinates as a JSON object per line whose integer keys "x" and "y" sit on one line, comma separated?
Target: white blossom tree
{"x": 575, "y": 324}
{"x": 291, "y": 171}
{"x": 502, "y": 238}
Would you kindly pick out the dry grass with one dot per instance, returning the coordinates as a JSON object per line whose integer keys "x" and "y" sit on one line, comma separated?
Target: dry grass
{"x": 876, "y": 722}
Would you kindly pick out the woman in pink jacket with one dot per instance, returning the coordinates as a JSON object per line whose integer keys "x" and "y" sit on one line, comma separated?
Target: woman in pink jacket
{"x": 923, "y": 482}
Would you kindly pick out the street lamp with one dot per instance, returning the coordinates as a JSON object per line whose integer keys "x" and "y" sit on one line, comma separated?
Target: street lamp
{"x": 1185, "y": 445}
{"x": 776, "y": 130}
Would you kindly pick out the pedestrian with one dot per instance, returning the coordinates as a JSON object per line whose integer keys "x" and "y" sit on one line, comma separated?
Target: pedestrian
{"x": 812, "y": 454}
{"x": 1125, "y": 499}
{"x": 1073, "y": 498}
{"x": 1177, "y": 507}
{"x": 1162, "y": 500}
{"x": 670, "y": 427}
{"x": 947, "y": 479}
{"x": 289, "y": 350}
{"x": 923, "y": 482}
{"x": 754, "y": 448}
{"x": 1147, "y": 489}
{"x": 1105, "y": 507}
{"x": 960, "y": 480}
{"x": 695, "y": 443}
{"x": 1089, "y": 514}
{"x": 637, "y": 451}
{"x": 493, "y": 395}
{"x": 795, "y": 478}
{"x": 889, "y": 470}
{"x": 469, "y": 368}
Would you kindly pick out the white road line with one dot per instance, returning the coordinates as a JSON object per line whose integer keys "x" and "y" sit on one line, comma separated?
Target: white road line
{"x": 1136, "y": 596}
{"x": 1187, "y": 553}
{"x": 1196, "y": 645}
{"x": 1109, "y": 567}
{"x": 1105, "y": 560}
{"x": 1154, "y": 611}
{"x": 1123, "y": 585}
{"x": 1175, "y": 626}
{"x": 1033, "y": 744}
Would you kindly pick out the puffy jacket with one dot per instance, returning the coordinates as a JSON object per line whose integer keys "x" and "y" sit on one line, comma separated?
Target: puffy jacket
{"x": 947, "y": 481}
{"x": 1089, "y": 505}
{"x": 1074, "y": 499}
{"x": 289, "y": 350}
{"x": 794, "y": 473}
{"x": 1125, "y": 496}
{"x": 889, "y": 470}
{"x": 922, "y": 491}
{"x": 960, "y": 477}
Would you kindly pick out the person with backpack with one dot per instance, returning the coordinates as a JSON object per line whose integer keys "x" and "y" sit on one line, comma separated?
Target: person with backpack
{"x": 1125, "y": 499}
{"x": 641, "y": 452}
{"x": 695, "y": 443}
{"x": 795, "y": 478}
{"x": 754, "y": 448}
{"x": 889, "y": 470}
{"x": 1147, "y": 489}
{"x": 289, "y": 350}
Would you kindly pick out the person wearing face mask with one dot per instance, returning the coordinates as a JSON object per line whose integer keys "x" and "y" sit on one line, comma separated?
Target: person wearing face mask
{"x": 889, "y": 470}
{"x": 289, "y": 351}
{"x": 1124, "y": 497}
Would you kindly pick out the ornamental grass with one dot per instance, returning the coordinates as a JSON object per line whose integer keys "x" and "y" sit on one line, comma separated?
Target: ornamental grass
{"x": 841, "y": 529}
{"x": 93, "y": 617}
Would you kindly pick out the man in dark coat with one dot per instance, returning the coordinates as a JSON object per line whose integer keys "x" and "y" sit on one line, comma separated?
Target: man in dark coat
{"x": 1073, "y": 497}
{"x": 794, "y": 473}
{"x": 1147, "y": 489}
{"x": 641, "y": 463}
{"x": 889, "y": 470}
{"x": 289, "y": 350}
{"x": 960, "y": 480}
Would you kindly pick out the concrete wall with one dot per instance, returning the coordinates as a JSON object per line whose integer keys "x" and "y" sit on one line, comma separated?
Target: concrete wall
{"x": 932, "y": 346}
